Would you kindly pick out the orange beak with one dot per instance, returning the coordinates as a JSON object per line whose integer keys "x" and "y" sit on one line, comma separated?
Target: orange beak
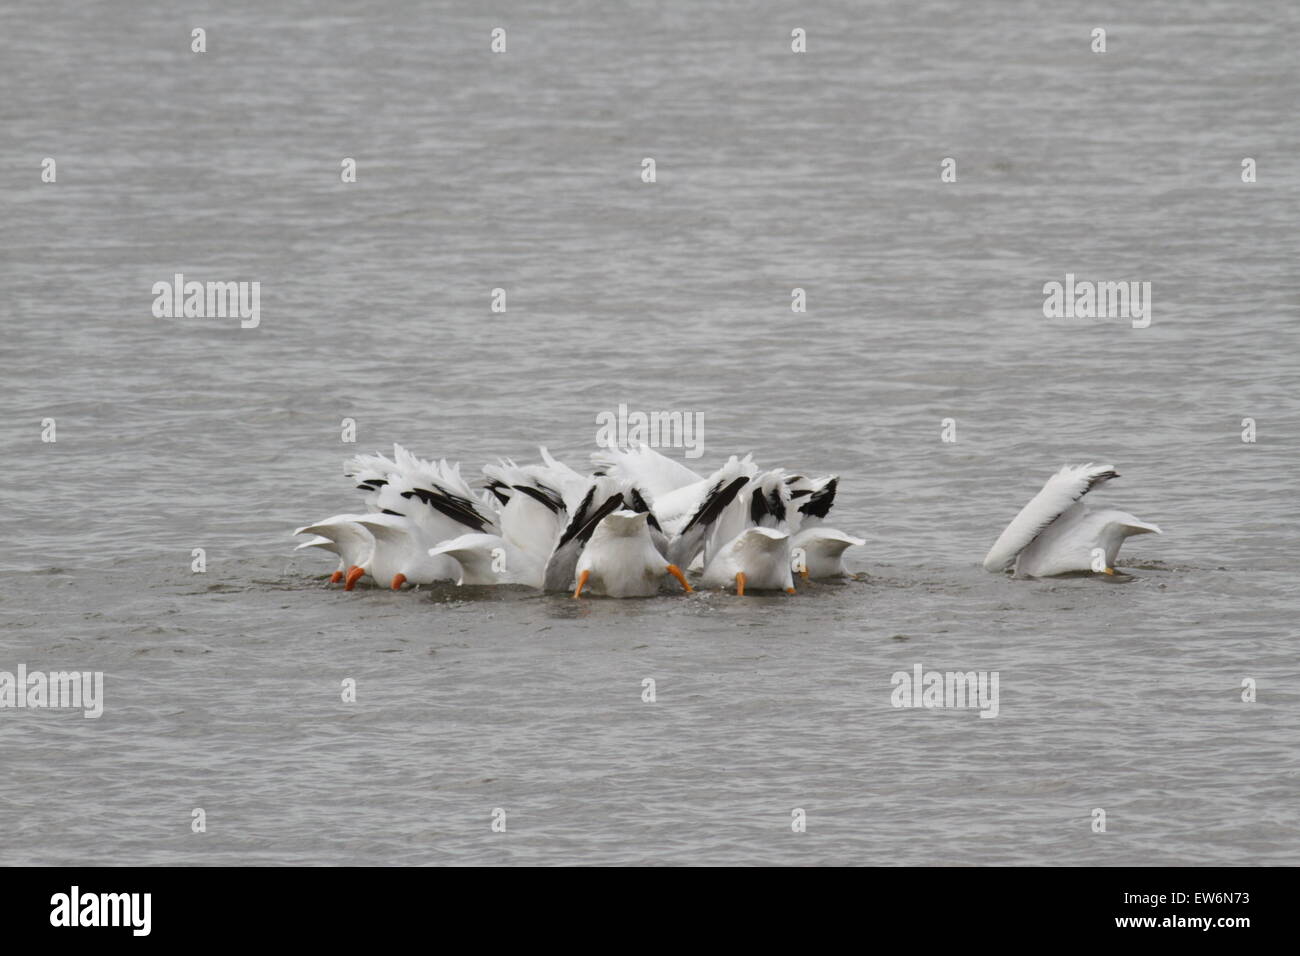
{"x": 676, "y": 572}
{"x": 582, "y": 583}
{"x": 398, "y": 581}
{"x": 354, "y": 574}
{"x": 740, "y": 583}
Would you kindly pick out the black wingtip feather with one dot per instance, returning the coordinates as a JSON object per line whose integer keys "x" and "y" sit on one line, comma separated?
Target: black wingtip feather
{"x": 460, "y": 510}
{"x": 1096, "y": 480}
{"x": 717, "y": 499}
{"x": 641, "y": 506}
{"x": 496, "y": 486}
{"x": 820, "y": 501}
{"x": 575, "y": 523}
{"x": 552, "y": 501}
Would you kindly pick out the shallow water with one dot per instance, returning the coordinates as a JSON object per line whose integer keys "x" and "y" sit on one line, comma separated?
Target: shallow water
{"x": 775, "y": 171}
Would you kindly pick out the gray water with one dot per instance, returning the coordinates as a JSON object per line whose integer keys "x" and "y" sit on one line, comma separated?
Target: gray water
{"x": 774, "y": 171}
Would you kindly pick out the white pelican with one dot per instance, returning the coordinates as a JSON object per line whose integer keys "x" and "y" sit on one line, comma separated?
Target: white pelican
{"x": 401, "y": 554}
{"x": 621, "y": 560}
{"x": 602, "y": 497}
{"x": 416, "y": 504}
{"x": 740, "y": 530}
{"x": 818, "y": 552}
{"x": 757, "y": 558}
{"x": 1057, "y": 533}
{"x": 355, "y": 543}
{"x": 531, "y": 519}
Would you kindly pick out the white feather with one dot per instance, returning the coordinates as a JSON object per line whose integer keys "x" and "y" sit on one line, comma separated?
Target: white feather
{"x": 1061, "y": 491}
{"x": 653, "y": 473}
{"x": 354, "y": 542}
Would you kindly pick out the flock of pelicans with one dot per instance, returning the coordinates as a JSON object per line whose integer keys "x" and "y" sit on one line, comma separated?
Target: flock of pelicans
{"x": 641, "y": 517}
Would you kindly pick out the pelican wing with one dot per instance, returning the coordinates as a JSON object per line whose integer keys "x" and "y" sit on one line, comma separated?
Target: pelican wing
{"x": 321, "y": 543}
{"x": 388, "y": 528}
{"x": 654, "y": 473}
{"x": 1061, "y": 491}
{"x": 820, "y": 497}
{"x": 690, "y": 540}
{"x": 354, "y": 541}
{"x": 604, "y": 496}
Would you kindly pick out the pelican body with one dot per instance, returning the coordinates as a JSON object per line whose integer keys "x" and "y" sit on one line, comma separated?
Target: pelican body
{"x": 1058, "y": 533}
